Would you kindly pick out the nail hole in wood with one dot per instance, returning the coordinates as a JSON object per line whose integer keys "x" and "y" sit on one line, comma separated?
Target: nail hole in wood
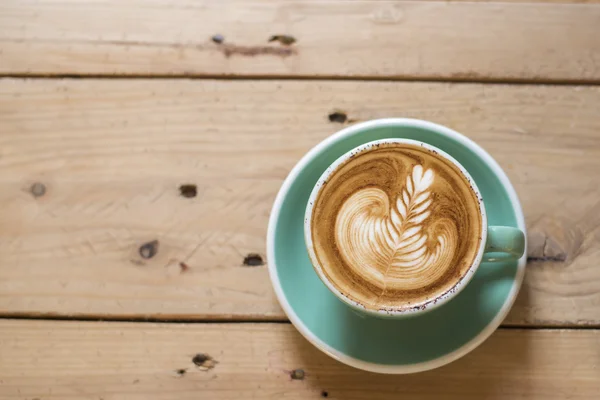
{"x": 324, "y": 393}
{"x": 204, "y": 361}
{"x": 149, "y": 250}
{"x": 338, "y": 116}
{"x": 218, "y": 38}
{"x": 285, "y": 40}
{"x": 184, "y": 267}
{"x": 253, "y": 260}
{"x": 38, "y": 189}
{"x": 188, "y": 190}
{"x": 297, "y": 374}
{"x": 181, "y": 371}
{"x": 200, "y": 358}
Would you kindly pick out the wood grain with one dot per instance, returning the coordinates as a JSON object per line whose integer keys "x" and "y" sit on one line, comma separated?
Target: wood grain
{"x": 112, "y": 155}
{"x": 100, "y": 360}
{"x": 367, "y": 39}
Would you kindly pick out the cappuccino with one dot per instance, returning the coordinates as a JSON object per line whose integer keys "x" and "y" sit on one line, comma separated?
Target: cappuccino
{"x": 395, "y": 226}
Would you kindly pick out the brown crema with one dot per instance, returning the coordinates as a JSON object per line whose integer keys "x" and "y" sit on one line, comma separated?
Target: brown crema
{"x": 396, "y": 226}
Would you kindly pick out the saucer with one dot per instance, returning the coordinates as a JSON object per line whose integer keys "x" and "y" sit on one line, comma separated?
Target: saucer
{"x": 394, "y": 346}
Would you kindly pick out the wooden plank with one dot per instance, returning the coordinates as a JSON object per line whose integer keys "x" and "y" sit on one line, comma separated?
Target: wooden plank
{"x": 112, "y": 155}
{"x": 100, "y": 360}
{"x": 372, "y": 39}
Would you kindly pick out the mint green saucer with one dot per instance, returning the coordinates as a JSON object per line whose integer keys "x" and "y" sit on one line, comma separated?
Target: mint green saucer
{"x": 416, "y": 343}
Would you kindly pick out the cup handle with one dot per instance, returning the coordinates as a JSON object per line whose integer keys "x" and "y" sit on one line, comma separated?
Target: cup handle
{"x": 504, "y": 243}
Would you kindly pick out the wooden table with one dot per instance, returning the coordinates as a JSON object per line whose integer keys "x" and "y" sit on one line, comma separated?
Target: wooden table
{"x": 142, "y": 144}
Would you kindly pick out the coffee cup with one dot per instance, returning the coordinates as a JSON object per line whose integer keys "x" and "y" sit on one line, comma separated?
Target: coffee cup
{"x": 397, "y": 227}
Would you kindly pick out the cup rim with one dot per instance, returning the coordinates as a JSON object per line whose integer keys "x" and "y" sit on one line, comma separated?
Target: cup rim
{"x": 429, "y": 304}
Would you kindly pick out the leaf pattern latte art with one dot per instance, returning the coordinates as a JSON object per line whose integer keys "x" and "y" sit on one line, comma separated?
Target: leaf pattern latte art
{"x": 388, "y": 241}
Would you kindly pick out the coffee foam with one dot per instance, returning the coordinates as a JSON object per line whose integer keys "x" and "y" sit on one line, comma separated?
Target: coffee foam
{"x": 396, "y": 226}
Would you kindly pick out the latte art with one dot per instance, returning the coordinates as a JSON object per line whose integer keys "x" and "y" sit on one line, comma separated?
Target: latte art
{"x": 395, "y": 226}
{"x": 386, "y": 241}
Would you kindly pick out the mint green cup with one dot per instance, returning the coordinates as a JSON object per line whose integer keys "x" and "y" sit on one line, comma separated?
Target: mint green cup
{"x": 392, "y": 345}
{"x": 496, "y": 243}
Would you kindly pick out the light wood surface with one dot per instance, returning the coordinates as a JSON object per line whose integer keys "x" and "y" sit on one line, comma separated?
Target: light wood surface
{"x": 392, "y": 39}
{"x": 142, "y": 191}
{"x": 112, "y": 154}
{"x": 110, "y": 361}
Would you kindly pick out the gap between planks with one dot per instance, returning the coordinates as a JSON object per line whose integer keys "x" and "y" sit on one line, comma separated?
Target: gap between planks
{"x": 234, "y": 320}
{"x": 308, "y": 78}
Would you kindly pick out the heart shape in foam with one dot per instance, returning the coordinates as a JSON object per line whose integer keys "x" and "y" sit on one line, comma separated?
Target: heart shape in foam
{"x": 396, "y": 243}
